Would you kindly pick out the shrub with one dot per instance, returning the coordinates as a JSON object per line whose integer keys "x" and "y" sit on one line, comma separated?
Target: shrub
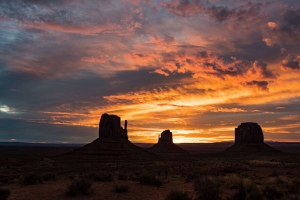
{"x": 31, "y": 179}
{"x": 247, "y": 194}
{"x": 80, "y": 187}
{"x": 147, "y": 179}
{"x": 178, "y": 195}
{"x": 101, "y": 177}
{"x": 120, "y": 188}
{"x": 272, "y": 193}
{"x": 253, "y": 194}
{"x": 206, "y": 189}
{"x": 4, "y": 194}
{"x": 49, "y": 177}
{"x": 240, "y": 195}
{"x": 122, "y": 176}
{"x": 190, "y": 177}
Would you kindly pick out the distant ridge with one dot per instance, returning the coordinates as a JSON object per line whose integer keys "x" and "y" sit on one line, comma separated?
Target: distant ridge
{"x": 33, "y": 144}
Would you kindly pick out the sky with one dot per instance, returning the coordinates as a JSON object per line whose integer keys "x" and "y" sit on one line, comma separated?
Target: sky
{"x": 198, "y": 68}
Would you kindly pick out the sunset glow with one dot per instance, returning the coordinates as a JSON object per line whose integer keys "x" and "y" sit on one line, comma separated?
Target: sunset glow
{"x": 198, "y": 68}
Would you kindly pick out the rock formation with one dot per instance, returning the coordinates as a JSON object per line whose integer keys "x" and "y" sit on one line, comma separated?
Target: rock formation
{"x": 249, "y": 137}
{"x": 166, "y": 137}
{"x": 165, "y": 145}
{"x": 112, "y": 142}
{"x": 110, "y": 126}
{"x": 249, "y": 132}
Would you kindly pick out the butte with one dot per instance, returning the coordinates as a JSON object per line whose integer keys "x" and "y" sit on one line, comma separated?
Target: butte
{"x": 112, "y": 141}
{"x": 249, "y": 137}
{"x": 165, "y": 145}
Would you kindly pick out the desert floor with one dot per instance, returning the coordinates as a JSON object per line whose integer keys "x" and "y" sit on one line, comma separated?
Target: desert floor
{"x": 49, "y": 172}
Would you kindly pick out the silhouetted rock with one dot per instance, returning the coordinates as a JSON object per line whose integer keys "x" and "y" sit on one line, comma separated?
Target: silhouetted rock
{"x": 166, "y": 136}
{"x": 249, "y": 132}
{"x": 249, "y": 138}
{"x": 165, "y": 145}
{"x": 112, "y": 142}
{"x": 110, "y": 126}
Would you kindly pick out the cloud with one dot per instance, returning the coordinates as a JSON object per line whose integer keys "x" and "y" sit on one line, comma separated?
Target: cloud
{"x": 284, "y": 31}
{"x": 206, "y": 65}
{"x": 291, "y": 62}
{"x": 191, "y": 8}
{"x": 71, "y": 17}
{"x": 260, "y": 68}
{"x": 262, "y": 85}
{"x": 159, "y": 71}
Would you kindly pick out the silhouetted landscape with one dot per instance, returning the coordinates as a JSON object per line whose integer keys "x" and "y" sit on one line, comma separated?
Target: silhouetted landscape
{"x": 111, "y": 167}
{"x": 150, "y": 100}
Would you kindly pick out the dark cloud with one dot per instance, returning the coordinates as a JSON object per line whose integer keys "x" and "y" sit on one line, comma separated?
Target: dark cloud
{"x": 190, "y": 8}
{"x": 209, "y": 64}
{"x": 24, "y": 131}
{"x": 284, "y": 30}
{"x": 291, "y": 62}
{"x": 261, "y": 68}
{"x": 262, "y": 85}
{"x": 244, "y": 12}
{"x": 291, "y": 23}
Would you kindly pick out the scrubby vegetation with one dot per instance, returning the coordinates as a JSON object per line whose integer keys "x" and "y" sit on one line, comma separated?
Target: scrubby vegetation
{"x": 178, "y": 195}
{"x": 207, "y": 189}
{"x": 49, "y": 177}
{"x": 101, "y": 176}
{"x": 4, "y": 194}
{"x": 30, "y": 179}
{"x": 148, "y": 179}
{"x": 79, "y": 187}
{"x": 120, "y": 188}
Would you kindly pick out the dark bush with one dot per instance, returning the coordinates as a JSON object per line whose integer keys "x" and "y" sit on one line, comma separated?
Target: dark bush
{"x": 157, "y": 182}
{"x": 271, "y": 193}
{"x": 120, "y": 188}
{"x": 122, "y": 176}
{"x": 240, "y": 195}
{"x": 147, "y": 179}
{"x": 49, "y": 177}
{"x": 250, "y": 194}
{"x": 31, "y": 179}
{"x": 101, "y": 177}
{"x": 178, "y": 195}
{"x": 190, "y": 177}
{"x": 206, "y": 189}
{"x": 253, "y": 194}
{"x": 4, "y": 194}
{"x": 79, "y": 187}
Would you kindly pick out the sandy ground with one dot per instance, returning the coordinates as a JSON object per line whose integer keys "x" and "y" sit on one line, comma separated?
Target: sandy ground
{"x": 102, "y": 190}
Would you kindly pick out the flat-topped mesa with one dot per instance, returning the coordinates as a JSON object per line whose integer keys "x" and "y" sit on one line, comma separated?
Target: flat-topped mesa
{"x": 165, "y": 145}
{"x": 166, "y": 137}
{"x": 110, "y": 126}
{"x": 249, "y": 132}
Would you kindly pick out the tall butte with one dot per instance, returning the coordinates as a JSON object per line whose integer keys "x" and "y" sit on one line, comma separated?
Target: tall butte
{"x": 249, "y": 137}
{"x": 110, "y": 127}
{"x": 165, "y": 145}
{"x": 113, "y": 141}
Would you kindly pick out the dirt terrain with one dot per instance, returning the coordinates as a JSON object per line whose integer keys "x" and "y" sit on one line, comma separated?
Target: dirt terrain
{"x": 272, "y": 175}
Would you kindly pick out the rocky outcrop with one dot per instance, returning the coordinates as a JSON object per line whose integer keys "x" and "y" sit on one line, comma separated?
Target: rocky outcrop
{"x": 166, "y": 137}
{"x": 249, "y": 132}
{"x": 249, "y": 138}
{"x": 112, "y": 142}
{"x": 110, "y": 126}
{"x": 165, "y": 145}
